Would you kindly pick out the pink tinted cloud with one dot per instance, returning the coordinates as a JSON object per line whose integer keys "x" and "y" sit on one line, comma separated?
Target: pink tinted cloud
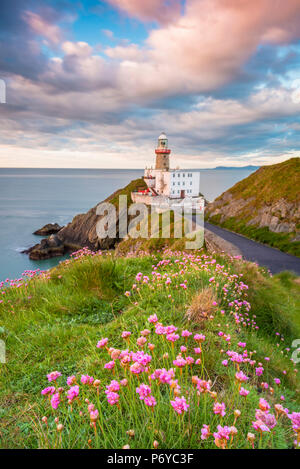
{"x": 162, "y": 11}
{"x": 209, "y": 44}
{"x": 40, "y": 26}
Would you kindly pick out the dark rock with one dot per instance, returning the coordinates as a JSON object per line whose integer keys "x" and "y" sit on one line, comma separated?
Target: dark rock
{"x": 49, "y": 229}
{"x": 47, "y": 248}
{"x": 81, "y": 232}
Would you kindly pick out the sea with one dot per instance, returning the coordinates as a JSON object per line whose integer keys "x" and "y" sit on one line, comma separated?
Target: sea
{"x": 30, "y": 198}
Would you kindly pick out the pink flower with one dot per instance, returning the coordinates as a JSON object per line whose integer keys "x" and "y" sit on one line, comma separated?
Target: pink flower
{"x": 150, "y": 401}
{"x": 222, "y": 435}
{"x": 71, "y": 380}
{"x": 242, "y": 344}
{"x": 141, "y": 357}
{"x": 244, "y": 392}
{"x": 126, "y": 334}
{"x": 137, "y": 368}
{"x": 94, "y": 414}
{"x": 49, "y": 390}
{"x": 277, "y": 380}
{"x": 186, "y": 333}
{"x": 141, "y": 341}
{"x": 264, "y": 405}
{"x": 55, "y": 400}
{"x": 112, "y": 397}
{"x": 164, "y": 376}
{"x": 259, "y": 371}
{"x": 219, "y": 408}
{"x": 295, "y": 419}
{"x": 203, "y": 386}
{"x": 197, "y": 350}
{"x": 113, "y": 386}
{"x": 86, "y": 379}
{"x": 160, "y": 330}
{"x": 180, "y": 362}
{"x": 241, "y": 377}
{"x": 225, "y": 362}
{"x": 205, "y": 432}
{"x": 268, "y": 419}
{"x": 110, "y": 365}
{"x": 53, "y": 376}
{"x": 172, "y": 337}
{"x": 199, "y": 337}
{"x": 183, "y": 349}
{"x": 153, "y": 318}
{"x": 102, "y": 343}
{"x": 144, "y": 390}
{"x": 261, "y": 426}
{"x": 73, "y": 393}
{"x": 180, "y": 405}
{"x": 190, "y": 360}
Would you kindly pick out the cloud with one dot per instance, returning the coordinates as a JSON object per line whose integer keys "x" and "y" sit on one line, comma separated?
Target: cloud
{"x": 43, "y": 28}
{"x": 163, "y": 11}
{"x": 217, "y": 78}
{"x": 131, "y": 52}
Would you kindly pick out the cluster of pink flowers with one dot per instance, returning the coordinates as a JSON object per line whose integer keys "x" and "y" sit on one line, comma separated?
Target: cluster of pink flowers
{"x": 86, "y": 379}
{"x": 53, "y": 376}
{"x": 151, "y": 385}
{"x": 73, "y": 393}
{"x": 265, "y": 421}
{"x": 219, "y": 408}
{"x": 180, "y": 405}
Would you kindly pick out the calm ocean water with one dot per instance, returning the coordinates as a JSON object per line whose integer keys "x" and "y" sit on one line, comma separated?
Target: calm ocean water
{"x": 30, "y": 198}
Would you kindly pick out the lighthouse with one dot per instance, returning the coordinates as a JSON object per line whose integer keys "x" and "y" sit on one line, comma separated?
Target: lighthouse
{"x": 167, "y": 185}
{"x": 162, "y": 153}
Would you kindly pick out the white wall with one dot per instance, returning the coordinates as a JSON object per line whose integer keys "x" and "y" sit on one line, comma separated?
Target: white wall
{"x": 188, "y": 181}
{"x": 171, "y": 183}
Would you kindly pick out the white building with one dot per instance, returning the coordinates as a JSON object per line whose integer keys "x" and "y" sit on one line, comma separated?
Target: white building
{"x": 175, "y": 183}
{"x": 165, "y": 182}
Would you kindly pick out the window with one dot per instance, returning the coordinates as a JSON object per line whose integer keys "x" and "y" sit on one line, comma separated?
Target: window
{"x": 183, "y": 175}
{"x": 191, "y": 183}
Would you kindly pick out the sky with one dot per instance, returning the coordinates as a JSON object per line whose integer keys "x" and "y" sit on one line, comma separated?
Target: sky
{"x": 91, "y": 84}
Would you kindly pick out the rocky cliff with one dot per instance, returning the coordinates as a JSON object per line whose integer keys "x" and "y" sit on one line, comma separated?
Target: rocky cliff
{"x": 268, "y": 198}
{"x": 81, "y": 232}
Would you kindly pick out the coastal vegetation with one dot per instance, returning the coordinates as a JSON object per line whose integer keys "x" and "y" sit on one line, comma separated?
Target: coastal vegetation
{"x": 265, "y": 206}
{"x": 161, "y": 349}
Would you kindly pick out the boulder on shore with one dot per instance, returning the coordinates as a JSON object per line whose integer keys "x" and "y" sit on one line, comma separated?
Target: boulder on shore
{"x": 49, "y": 229}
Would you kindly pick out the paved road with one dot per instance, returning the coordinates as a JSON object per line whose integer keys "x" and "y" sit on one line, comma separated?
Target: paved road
{"x": 271, "y": 258}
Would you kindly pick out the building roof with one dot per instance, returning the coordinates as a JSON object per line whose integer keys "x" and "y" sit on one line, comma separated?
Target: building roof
{"x": 162, "y": 136}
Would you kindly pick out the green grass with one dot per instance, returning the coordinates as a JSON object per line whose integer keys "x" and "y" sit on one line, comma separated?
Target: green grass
{"x": 271, "y": 183}
{"x": 280, "y": 241}
{"x": 83, "y": 300}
